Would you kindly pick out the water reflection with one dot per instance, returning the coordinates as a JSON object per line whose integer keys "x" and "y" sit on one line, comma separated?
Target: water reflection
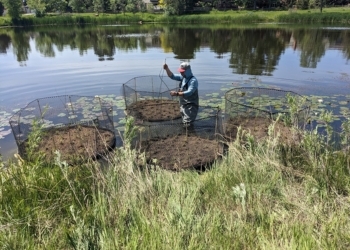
{"x": 20, "y": 44}
{"x": 253, "y": 51}
{"x": 98, "y": 60}
{"x": 5, "y": 42}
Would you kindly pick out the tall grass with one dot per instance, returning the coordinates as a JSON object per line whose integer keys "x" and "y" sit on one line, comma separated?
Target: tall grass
{"x": 136, "y": 18}
{"x": 329, "y": 16}
{"x": 325, "y": 18}
{"x": 5, "y": 21}
{"x": 261, "y": 195}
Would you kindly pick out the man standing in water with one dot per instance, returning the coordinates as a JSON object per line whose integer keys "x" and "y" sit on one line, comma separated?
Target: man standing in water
{"x": 188, "y": 92}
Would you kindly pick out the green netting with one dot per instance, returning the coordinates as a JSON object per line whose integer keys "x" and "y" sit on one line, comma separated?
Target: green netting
{"x": 173, "y": 146}
{"x": 255, "y": 108}
{"x": 76, "y": 126}
{"x": 147, "y": 98}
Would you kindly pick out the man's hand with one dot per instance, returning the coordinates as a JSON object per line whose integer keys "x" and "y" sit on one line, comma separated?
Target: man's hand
{"x": 173, "y": 93}
{"x": 167, "y": 70}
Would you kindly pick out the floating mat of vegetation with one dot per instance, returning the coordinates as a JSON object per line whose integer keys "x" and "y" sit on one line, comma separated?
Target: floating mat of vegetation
{"x": 79, "y": 127}
{"x": 155, "y": 110}
{"x": 182, "y": 152}
{"x": 260, "y": 128}
{"x": 266, "y": 102}
{"x": 148, "y": 98}
{"x": 175, "y": 146}
{"x": 75, "y": 143}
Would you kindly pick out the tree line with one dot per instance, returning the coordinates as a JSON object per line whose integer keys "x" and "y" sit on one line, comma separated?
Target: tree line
{"x": 170, "y": 7}
{"x": 41, "y": 7}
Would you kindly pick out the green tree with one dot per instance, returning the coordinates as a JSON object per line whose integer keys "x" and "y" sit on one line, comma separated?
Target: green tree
{"x": 1, "y": 8}
{"x": 303, "y": 4}
{"x": 177, "y": 7}
{"x": 13, "y": 7}
{"x": 101, "y": 5}
{"x": 56, "y": 5}
{"x": 135, "y": 6}
{"x": 114, "y": 5}
{"x": 38, "y": 6}
{"x": 79, "y": 5}
{"x": 142, "y": 6}
{"x": 173, "y": 7}
{"x": 118, "y": 5}
{"x": 98, "y": 5}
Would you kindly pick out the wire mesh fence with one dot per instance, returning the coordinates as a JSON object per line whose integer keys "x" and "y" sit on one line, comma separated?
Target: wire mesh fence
{"x": 76, "y": 126}
{"x": 255, "y": 108}
{"x": 175, "y": 146}
{"x": 147, "y": 98}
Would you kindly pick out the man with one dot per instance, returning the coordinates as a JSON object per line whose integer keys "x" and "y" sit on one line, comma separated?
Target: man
{"x": 188, "y": 92}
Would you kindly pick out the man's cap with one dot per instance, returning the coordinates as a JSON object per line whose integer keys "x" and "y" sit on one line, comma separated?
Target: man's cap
{"x": 184, "y": 66}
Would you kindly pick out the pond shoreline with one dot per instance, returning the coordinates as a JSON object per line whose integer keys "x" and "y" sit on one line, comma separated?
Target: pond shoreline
{"x": 338, "y": 15}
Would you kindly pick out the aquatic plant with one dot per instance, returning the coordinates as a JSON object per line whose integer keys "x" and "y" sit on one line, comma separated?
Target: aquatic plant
{"x": 116, "y": 204}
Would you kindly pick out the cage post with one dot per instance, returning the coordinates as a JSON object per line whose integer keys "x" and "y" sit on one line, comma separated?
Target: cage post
{"x": 152, "y": 87}
{"x": 19, "y": 129}
{"x": 94, "y": 147}
{"x": 216, "y": 122}
{"x": 135, "y": 90}
{"x": 126, "y": 105}
{"x": 99, "y": 99}
{"x": 164, "y": 83}
{"x": 160, "y": 90}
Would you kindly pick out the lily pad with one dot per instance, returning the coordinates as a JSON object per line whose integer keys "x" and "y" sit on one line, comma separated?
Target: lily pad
{"x": 4, "y": 133}
{"x": 344, "y": 103}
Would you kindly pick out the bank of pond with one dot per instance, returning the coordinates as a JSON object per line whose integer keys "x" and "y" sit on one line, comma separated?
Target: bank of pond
{"x": 272, "y": 175}
{"x": 340, "y": 17}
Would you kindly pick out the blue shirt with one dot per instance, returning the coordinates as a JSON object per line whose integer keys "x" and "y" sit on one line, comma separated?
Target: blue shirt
{"x": 189, "y": 87}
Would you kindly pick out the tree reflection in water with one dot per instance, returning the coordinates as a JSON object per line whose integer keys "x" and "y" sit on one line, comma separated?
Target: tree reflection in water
{"x": 253, "y": 51}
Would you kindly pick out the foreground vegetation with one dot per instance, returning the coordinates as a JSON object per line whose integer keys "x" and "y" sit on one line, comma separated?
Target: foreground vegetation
{"x": 259, "y": 196}
{"x": 329, "y": 16}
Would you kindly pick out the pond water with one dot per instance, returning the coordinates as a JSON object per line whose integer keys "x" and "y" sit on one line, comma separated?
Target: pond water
{"x": 88, "y": 61}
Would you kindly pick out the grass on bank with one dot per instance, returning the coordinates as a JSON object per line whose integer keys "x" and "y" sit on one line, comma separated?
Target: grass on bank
{"x": 261, "y": 195}
{"x": 337, "y": 15}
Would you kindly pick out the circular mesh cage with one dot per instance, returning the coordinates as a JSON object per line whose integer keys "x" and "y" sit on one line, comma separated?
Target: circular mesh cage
{"x": 79, "y": 127}
{"x": 147, "y": 98}
{"x": 254, "y": 109}
{"x": 174, "y": 146}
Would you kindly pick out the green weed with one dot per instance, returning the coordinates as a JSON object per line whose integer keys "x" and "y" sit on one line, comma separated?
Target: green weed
{"x": 254, "y": 197}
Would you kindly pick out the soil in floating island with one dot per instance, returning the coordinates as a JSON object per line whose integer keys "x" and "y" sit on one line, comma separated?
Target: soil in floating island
{"x": 258, "y": 127}
{"x": 75, "y": 143}
{"x": 155, "y": 110}
{"x": 181, "y": 152}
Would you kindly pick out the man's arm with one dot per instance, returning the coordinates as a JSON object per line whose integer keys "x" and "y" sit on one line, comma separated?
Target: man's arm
{"x": 168, "y": 71}
{"x": 192, "y": 87}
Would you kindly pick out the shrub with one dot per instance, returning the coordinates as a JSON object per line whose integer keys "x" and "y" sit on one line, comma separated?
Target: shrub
{"x": 13, "y": 7}
{"x": 2, "y": 8}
